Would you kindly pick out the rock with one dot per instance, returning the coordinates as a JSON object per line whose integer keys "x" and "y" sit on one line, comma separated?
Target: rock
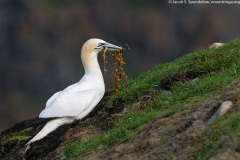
{"x": 216, "y": 45}
{"x": 225, "y": 106}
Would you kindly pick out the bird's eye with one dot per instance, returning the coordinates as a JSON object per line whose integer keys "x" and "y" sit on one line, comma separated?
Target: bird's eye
{"x": 100, "y": 44}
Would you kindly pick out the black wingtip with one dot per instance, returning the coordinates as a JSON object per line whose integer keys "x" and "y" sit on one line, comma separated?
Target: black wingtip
{"x": 35, "y": 122}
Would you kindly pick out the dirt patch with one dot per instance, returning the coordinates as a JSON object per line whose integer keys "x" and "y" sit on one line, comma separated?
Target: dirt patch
{"x": 172, "y": 137}
{"x": 171, "y": 80}
{"x": 143, "y": 102}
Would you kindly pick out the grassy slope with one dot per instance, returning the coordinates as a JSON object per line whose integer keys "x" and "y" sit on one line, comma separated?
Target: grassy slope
{"x": 168, "y": 89}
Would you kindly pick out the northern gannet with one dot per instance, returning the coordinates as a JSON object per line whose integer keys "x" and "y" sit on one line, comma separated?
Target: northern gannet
{"x": 77, "y": 100}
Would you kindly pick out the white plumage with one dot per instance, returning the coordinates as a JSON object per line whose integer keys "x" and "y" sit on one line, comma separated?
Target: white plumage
{"x": 78, "y": 100}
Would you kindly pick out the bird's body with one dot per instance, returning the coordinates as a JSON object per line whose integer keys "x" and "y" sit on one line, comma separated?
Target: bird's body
{"x": 77, "y": 100}
{"x": 87, "y": 92}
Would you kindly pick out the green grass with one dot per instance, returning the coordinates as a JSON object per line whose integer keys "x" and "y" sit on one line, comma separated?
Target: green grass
{"x": 212, "y": 70}
{"x": 19, "y": 138}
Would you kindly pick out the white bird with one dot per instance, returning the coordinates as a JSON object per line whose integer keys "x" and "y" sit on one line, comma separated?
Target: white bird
{"x": 77, "y": 100}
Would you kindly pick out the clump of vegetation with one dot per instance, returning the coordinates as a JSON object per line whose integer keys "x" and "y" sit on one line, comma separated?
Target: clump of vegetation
{"x": 119, "y": 62}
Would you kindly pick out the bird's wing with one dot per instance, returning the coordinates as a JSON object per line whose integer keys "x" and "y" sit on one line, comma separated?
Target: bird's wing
{"x": 51, "y": 99}
{"x": 69, "y": 104}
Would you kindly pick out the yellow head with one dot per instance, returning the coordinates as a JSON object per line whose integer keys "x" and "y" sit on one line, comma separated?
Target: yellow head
{"x": 92, "y": 47}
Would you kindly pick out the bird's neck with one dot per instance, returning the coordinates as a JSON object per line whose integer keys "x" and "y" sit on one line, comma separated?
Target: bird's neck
{"x": 93, "y": 68}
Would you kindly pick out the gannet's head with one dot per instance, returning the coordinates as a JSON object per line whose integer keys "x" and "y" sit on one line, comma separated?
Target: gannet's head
{"x": 92, "y": 47}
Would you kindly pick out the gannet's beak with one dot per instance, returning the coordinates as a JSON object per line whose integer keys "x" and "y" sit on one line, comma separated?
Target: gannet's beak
{"x": 112, "y": 47}
{"x": 108, "y": 46}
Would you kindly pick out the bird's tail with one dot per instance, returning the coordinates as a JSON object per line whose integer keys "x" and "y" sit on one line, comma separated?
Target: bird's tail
{"x": 49, "y": 127}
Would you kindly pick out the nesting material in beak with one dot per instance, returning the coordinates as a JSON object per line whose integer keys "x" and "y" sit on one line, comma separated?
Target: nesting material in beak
{"x": 120, "y": 75}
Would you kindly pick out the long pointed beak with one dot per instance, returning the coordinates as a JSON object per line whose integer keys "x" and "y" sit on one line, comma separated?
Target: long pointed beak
{"x": 111, "y": 47}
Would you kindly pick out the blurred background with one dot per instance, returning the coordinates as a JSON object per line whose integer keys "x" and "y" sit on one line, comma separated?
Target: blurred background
{"x": 41, "y": 40}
